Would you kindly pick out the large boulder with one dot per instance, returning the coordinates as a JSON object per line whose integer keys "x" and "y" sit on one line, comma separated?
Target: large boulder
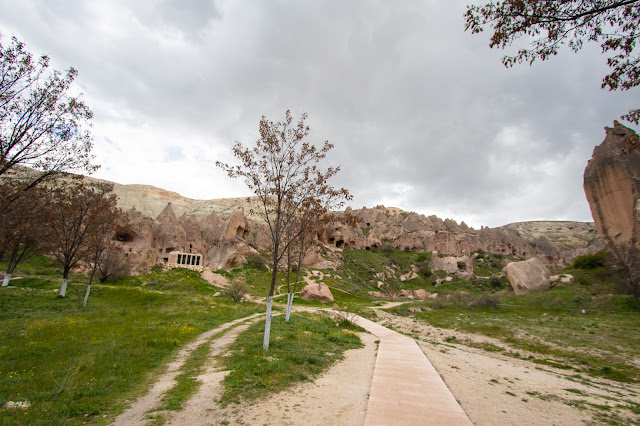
{"x": 528, "y": 276}
{"x": 421, "y": 294}
{"x": 318, "y": 292}
{"x": 612, "y": 186}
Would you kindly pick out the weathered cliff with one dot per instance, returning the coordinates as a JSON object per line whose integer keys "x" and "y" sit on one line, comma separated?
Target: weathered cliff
{"x": 612, "y": 186}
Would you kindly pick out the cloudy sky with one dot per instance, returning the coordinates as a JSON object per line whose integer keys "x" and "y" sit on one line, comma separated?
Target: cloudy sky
{"x": 423, "y": 115}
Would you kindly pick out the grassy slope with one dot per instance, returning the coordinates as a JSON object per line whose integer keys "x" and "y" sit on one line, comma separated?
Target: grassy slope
{"x": 76, "y": 364}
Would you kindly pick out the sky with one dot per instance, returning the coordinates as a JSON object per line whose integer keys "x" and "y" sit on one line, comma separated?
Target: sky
{"x": 422, "y": 115}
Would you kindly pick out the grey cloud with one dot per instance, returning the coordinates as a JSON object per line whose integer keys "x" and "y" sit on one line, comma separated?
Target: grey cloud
{"x": 419, "y": 111}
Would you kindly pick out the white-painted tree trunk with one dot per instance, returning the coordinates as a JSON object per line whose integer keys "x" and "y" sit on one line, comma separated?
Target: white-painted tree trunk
{"x": 63, "y": 288}
{"x": 267, "y": 324}
{"x": 86, "y": 296}
{"x": 289, "y": 304}
{"x": 5, "y": 281}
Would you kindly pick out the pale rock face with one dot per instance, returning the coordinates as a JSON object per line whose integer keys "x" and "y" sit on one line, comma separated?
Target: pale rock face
{"x": 421, "y": 294}
{"x": 460, "y": 265}
{"x": 528, "y": 276}
{"x": 612, "y": 186}
{"x": 318, "y": 292}
{"x": 230, "y": 254}
{"x": 235, "y": 226}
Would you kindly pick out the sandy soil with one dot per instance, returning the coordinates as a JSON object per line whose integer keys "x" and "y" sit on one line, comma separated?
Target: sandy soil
{"x": 215, "y": 279}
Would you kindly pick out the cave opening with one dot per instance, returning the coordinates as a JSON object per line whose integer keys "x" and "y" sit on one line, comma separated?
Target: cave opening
{"x": 125, "y": 237}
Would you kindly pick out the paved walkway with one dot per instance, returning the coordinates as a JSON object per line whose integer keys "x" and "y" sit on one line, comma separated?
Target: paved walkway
{"x": 406, "y": 389}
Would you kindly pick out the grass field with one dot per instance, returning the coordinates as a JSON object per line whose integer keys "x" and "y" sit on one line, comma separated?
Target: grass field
{"x": 74, "y": 365}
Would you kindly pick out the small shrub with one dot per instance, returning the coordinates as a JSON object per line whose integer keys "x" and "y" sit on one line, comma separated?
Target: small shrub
{"x": 237, "y": 290}
{"x": 258, "y": 262}
{"x": 421, "y": 257}
{"x": 590, "y": 261}
{"x": 484, "y": 301}
{"x": 495, "y": 282}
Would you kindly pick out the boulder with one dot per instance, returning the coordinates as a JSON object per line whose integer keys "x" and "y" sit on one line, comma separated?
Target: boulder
{"x": 566, "y": 278}
{"x": 406, "y": 294}
{"x": 612, "y": 186}
{"x": 408, "y": 276}
{"x": 528, "y": 276}
{"x": 421, "y": 294}
{"x": 376, "y": 294}
{"x": 318, "y": 292}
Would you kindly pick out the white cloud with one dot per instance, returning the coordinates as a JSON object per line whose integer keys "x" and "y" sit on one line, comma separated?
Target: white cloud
{"x": 422, "y": 114}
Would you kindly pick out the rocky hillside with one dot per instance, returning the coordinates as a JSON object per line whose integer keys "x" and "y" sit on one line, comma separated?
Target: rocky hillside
{"x": 177, "y": 223}
{"x": 562, "y": 234}
{"x": 224, "y": 232}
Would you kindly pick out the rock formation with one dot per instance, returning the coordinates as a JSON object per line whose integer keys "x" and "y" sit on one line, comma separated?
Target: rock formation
{"x": 612, "y": 186}
{"x": 319, "y": 292}
{"x": 461, "y": 266}
{"x": 528, "y": 276}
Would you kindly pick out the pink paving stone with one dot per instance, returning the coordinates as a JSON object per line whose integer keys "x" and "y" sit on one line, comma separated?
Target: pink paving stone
{"x": 406, "y": 389}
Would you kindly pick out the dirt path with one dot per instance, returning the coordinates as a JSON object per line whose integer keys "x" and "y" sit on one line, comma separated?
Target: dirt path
{"x": 201, "y": 408}
{"x": 135, "y": 414}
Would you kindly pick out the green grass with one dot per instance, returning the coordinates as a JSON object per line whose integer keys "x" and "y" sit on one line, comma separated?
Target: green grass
{"x": 298, "y": 351}
{"x": 75, "y": 365}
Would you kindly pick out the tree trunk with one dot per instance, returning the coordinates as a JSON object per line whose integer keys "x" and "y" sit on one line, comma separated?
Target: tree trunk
{"x": 295, "y": 284}
{"x": 65, "y": 280}
{"x": 5, "y": 281}
{"x": 86, "y": 296}
{"x": 63, "y": 287}
{"x": 289, "y": 305}
{"x": 267, "y": 324}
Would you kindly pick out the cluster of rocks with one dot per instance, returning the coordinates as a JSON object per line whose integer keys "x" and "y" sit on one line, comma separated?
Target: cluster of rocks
{"x": 389, "y": 227}
{"x": 420, "y": 294}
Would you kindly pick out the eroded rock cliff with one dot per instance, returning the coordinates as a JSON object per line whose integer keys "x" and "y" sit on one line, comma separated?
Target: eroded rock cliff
{"x": 612, "y": 186}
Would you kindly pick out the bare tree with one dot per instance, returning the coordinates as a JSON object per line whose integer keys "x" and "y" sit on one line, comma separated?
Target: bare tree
{"x": 283, "y": 171}
{"x": 43, "y": 125}
{"x": 112, "y": 263}
{"x": 76, "y": 207}
{"x": 23, "y": 228}
{"x": 549, "y": 24}
{"x": 103, "y": 217}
